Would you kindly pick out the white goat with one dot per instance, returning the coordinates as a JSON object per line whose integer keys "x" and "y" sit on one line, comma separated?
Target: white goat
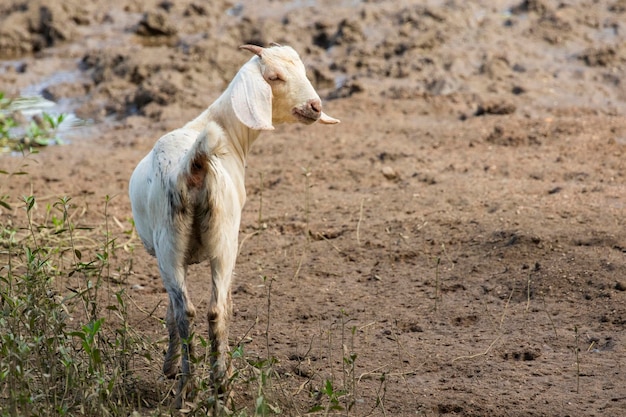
{"x": 188, "y": 192}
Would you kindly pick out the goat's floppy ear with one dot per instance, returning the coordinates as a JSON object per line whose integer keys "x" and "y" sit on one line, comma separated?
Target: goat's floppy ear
{"x": 252, "y": 99}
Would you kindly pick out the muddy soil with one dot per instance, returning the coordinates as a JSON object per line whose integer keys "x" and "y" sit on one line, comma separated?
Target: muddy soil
{"x": 462, "y": 231}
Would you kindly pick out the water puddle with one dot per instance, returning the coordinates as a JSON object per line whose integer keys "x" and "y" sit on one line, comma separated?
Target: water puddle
{"x": 35, "y": 121}
{"x": 31, "y": 120}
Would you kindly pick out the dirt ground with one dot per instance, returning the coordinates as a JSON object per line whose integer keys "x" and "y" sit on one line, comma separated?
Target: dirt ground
{"x": 467, "y": 218}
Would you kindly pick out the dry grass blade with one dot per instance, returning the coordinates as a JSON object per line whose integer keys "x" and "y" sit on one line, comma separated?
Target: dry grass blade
{"x": 478, "y": 354}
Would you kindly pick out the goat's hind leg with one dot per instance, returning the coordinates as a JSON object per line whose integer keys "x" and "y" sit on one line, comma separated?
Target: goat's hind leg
{"x": 220, "y": 307}
{"x": 183, "y": 312}
{"x": 172, "y": 357}
{"x": 180, "y": 313}
{"x": 218, "y": 315}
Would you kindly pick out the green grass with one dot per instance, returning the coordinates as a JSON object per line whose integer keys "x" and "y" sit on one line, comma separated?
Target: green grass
{"x": 66, "y": 346}
{"x": 62, "y": 351}
{"x": 38, "y": 131}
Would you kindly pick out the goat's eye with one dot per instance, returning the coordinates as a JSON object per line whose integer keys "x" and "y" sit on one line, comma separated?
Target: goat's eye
{"x": 274, "y": 77}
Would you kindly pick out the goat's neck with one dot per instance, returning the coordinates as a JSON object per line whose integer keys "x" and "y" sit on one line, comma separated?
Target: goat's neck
{"x": 239, "y": 136}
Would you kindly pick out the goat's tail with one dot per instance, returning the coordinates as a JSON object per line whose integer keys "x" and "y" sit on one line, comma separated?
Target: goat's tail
{"x": 196, "y": 163}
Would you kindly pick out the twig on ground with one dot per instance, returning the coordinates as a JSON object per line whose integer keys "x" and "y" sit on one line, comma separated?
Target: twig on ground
{"x": 506, "y": 306}
{"x": 478, "y": 354}
{"x": 358, "y": 224}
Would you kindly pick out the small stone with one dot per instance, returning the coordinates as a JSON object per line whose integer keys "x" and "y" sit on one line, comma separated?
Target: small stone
{"x": 389, "y": 173}
{"x": 155, "y": 24}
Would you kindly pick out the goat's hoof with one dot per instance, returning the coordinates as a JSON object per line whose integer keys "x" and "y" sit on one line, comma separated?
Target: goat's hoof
{"x": 186, "y": 392}
{"x": 170, "y": 367}
{"x": 222, "y": 389}
{"x": 171, "y": 371}
{"x": 178, "y": 402}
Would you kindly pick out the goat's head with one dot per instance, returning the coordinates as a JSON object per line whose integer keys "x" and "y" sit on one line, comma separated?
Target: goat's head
{"x": 273, "y": 88}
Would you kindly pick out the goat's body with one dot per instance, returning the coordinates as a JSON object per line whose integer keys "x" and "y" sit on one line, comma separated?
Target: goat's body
{"x": 163, "y": 187}
{"x": 188, "y": 192}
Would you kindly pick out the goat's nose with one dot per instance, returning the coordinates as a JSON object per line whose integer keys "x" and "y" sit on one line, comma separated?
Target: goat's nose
{"x": 315, "y": 105}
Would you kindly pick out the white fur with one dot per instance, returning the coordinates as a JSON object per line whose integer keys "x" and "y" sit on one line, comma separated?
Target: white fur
{"x": 188, "y": 192}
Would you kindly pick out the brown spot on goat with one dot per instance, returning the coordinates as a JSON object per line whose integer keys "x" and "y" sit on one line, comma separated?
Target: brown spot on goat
{"x": 197, "y": 171}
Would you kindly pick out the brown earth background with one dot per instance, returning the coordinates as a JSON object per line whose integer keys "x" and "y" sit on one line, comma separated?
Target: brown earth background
{"x": 462, "y": 231}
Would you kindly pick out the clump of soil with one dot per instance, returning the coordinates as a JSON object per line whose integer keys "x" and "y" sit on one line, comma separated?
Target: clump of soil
{"x": 31, "y": 26}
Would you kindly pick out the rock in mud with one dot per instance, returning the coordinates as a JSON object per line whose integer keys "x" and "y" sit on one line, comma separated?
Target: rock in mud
{"x": 32, "y": 26}
{"x": 155, "y": 23}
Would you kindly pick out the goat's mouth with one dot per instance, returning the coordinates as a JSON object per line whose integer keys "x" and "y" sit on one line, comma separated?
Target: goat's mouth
{"x": 305, "y": 117}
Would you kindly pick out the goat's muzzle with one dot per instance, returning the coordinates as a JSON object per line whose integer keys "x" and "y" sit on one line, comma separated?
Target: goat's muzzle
{"x": 308, "y": 112}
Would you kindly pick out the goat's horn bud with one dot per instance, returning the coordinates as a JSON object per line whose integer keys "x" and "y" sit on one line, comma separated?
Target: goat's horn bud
{"x": 255, "y": 49}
